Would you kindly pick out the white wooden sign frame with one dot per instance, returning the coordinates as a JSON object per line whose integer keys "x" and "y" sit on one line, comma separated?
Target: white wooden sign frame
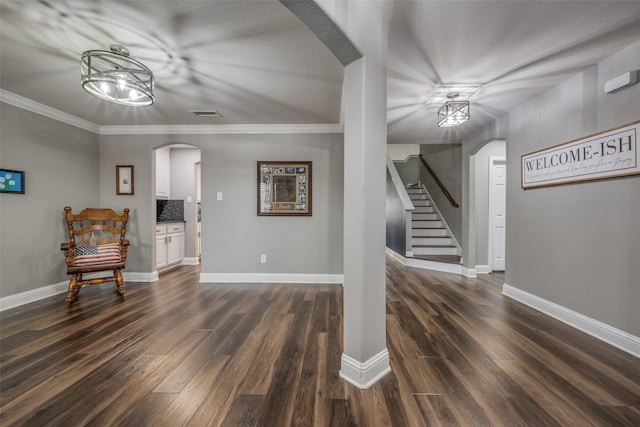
{"x": 608, "y": 154}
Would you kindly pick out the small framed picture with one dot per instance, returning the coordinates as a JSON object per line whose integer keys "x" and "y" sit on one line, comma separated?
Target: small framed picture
{"x": 11, "y": 181}
{"x": 124, "y": 180}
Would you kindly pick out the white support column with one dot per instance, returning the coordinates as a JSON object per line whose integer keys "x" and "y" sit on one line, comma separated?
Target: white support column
{"x": 365, "y": 359}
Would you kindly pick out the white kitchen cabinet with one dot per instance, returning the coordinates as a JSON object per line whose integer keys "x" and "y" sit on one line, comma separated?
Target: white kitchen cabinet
{"x": 163, "y": 173}
{"x": 169, "y": 245}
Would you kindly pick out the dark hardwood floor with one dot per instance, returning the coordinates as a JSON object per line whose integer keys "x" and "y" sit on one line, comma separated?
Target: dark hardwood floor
{"x": 177, "y": 352}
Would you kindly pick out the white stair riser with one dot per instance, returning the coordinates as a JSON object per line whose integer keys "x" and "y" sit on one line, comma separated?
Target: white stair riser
{"x": 432, "y": 241}
{"x": 430, "y": 232}
{"x": 418, "y": 197}
{"x": 435, "y": 251}
{"x": 417, "y": 203}
{"x": 415, "y": 191}
{"x": 424, "y": 209}
{"x": 425, "y": 217}
{"x": 426, "y": 224}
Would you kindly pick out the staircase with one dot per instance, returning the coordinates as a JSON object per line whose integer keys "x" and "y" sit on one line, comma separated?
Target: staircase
{"x": 430, "y": 235}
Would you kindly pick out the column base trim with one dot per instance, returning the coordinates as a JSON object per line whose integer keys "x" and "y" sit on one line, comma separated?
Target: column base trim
{"x": 364, "y": 375}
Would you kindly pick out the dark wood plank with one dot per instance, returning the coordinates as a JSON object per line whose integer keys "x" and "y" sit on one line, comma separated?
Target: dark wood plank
{"x": 177, "y": 352}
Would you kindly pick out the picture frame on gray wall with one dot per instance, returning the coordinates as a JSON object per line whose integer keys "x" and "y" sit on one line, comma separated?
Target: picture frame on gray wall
{"x": 124, "y": 180}
{"x": 284, "y": 188}
{"x": 12, "y": 181}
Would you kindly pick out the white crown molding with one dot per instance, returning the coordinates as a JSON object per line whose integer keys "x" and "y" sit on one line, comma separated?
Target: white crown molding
{"x": 221, "y": 129}
{"x": 313, "y": 279}
{"x": 52, "y": 113}
{"x": 617, "y": 338}
{"x": 46, "y": 111}
{"x": 364, "y": 375}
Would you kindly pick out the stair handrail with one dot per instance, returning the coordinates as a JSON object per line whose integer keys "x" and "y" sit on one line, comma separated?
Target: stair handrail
{"x": 440, "y": 184}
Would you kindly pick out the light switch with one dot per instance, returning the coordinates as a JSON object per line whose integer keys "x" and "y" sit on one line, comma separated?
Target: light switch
{"x": 188, "y": 199}
{"x": 219, "y": 195}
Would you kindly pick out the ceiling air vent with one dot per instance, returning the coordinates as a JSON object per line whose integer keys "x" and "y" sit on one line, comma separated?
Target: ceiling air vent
{"x": 206, "y": 113}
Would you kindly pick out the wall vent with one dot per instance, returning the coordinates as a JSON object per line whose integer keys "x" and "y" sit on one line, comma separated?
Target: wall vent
{"x": 206, "y": 113}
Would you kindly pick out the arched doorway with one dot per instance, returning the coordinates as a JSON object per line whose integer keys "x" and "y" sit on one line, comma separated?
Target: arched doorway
{"x": 176, "y": 196}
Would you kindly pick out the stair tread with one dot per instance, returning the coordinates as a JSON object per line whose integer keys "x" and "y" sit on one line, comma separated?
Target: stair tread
{"x": 433, "y": 246}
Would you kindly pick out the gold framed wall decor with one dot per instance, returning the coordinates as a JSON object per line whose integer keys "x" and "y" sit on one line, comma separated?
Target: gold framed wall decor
{"x": 284, "y": 188}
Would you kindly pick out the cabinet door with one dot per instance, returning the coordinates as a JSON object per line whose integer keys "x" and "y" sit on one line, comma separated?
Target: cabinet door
{"x": 163, "y": 172}
{"x": 175, "y": 248}
{"x": 161, "y": 251}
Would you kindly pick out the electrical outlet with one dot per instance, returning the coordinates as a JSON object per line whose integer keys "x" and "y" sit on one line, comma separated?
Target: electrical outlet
{"x": 263, "y": 258}
{"x": 219, "y": 196}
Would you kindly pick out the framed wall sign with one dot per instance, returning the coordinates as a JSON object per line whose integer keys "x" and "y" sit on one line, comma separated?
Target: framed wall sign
{"x": 11, "y": 181}
{"x": 124, "y": 180}
{"x": 608, "y": 154}
{"x": 284, "y": 188}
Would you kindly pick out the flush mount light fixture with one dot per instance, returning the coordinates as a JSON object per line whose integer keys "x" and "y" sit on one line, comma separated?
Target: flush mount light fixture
{"x": 115, "y": 77}
{"x": 453, "y": 113}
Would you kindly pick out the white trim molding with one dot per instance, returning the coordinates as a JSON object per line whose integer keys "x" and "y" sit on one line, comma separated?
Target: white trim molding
{"x": 191, "y": 261}
{"x": 364, "y": 375}
{"x": 133, "y": 276}
{"x": 617, "y": 338}
{"x": 46, "y": 111}
{"x": 52, "y": 113}
{"x": 469, "y": 272}
{"x": 429, "y": 265}
{"x": 483, "y": 269}
{"x": 33, "y": 295}
{"x": 221, "y": 129}
{"x": 314, "y": 279}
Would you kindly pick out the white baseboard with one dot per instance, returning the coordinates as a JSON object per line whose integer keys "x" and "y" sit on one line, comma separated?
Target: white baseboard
{"x": 133, "y": 276}
{"x": 191, "y": 261}
{"x": 426, "y": 264}
{"x": 483, "y": 269}
{"x": 469, "y": 272}
{"x": 16, "y": 300}
{"x": 617, "y": 338}
{"x": 337, "y": 279}
{"x": 364, "y": 375}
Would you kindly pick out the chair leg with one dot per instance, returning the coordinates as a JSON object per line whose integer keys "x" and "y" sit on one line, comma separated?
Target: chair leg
{"x": 74, "y": 287}
{"x": 119, "y": 282}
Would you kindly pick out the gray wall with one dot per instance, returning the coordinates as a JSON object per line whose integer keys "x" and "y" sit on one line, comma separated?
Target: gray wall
{"x": 66, "y": 165}
{"x": 233, "y": 236}
{"x": 577, "y": 245}
{"x": 409, "y": 170}
{"x": 446, "y": 162}
{"x": 61, "y": 165}
{"x": 396, "y": 220}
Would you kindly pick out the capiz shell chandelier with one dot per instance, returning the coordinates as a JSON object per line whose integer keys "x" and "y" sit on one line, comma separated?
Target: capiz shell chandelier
{"x": 453, "y": 113}
{"x": 115, "y": 77}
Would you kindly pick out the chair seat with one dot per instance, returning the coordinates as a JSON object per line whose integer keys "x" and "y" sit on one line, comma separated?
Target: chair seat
{"x": 94, "y": 267}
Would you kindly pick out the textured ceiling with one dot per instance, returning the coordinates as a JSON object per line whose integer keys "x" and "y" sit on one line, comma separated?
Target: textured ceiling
{"x": 270, "y": 62}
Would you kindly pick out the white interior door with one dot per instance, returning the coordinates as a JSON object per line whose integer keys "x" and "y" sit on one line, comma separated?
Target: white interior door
{"x": 497, "y": 212}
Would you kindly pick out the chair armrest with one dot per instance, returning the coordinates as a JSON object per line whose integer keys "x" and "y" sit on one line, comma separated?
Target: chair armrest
{"x": 124, "y": 245}
{"x": 69, "y": 252}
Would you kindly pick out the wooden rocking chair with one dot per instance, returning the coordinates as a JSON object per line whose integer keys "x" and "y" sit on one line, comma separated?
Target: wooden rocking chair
{"x": 96, "y": 243}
